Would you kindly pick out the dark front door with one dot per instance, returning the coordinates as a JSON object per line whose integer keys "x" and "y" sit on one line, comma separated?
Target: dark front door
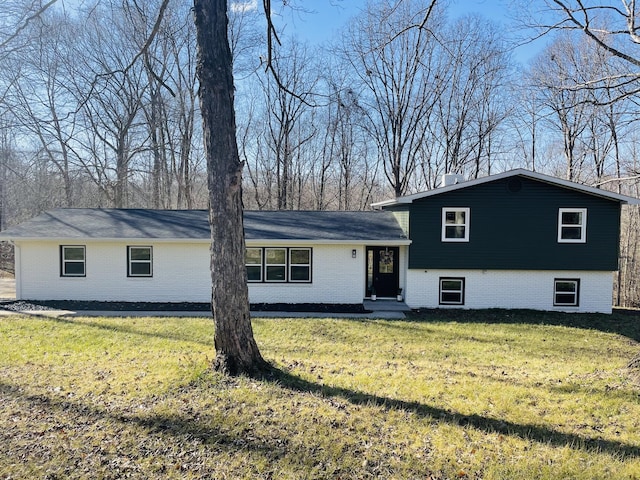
{"x": 382, "y": 271}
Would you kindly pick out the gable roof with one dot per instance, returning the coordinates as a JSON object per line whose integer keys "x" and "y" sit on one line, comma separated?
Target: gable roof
{"x": 193, "y": 225}
{"x": 512, "y": 173}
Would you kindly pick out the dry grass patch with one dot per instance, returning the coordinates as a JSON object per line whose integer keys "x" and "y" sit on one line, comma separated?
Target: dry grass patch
{"x": 468, "y": 395}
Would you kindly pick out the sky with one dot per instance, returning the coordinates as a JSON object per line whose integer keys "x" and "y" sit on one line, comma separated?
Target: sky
{"x": 325, "y": 17}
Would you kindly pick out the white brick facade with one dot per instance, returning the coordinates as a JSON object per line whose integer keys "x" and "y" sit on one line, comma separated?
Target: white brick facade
{"x": 180, "y": 274}
{"x": 336, "y": 278}
{"x": 511, "y": 289}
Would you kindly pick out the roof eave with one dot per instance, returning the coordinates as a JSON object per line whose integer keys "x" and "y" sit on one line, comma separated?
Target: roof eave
{"x": 249, "y": 241}
{"x": 625, "y": 199}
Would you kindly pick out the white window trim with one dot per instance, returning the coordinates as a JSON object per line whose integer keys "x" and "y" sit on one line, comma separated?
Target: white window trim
{"x": 64, "y": 262}
{"x": 583, "y": 226}
{"x": 130, "y": 262}
{"x": 291, "y": 265}
{"x": 467, "y": 213}
{"x": 576, "y": 292}
{"x": 461, "y": 291}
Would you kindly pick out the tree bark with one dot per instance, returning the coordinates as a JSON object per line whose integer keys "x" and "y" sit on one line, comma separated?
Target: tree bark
{"x": 236, "y": 349}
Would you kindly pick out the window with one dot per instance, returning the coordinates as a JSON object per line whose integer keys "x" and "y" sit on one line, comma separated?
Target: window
{"x": 72, "y": 261}
{"x": 451, "y": 291}
{"x": 572, "y": 225}
{"x": 566, "y": 292}
{"x": 276, "y": 264}
{"x": 455, "y": 224}
{"x": 300, "y": 264}
{"x": 139, "y": 261}
{"x": 253, "y": 262}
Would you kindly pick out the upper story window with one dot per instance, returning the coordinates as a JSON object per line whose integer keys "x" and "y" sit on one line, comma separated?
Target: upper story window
{"x": 139, "y": 261}
{"x": 572, "y": 225}
{"x": 72, "y": 261}
{"x": 455, "y": 224}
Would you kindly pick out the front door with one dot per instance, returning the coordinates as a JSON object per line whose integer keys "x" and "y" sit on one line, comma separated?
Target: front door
{"x": 383, "y": 276}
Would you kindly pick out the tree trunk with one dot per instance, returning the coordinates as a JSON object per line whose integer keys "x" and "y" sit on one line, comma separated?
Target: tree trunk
{"x": 236, "y": 349}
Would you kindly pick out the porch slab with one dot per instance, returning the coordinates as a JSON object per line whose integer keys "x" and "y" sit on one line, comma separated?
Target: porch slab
{"x": 385, "y": 305}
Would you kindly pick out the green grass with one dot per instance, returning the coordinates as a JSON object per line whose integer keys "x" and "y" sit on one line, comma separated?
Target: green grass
{"x": 443, "y": 395}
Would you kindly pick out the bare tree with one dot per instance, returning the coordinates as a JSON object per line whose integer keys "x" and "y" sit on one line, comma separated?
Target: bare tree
{"x": 392, "y": 50}
{"x": 110, "y": 92}
{"x": 287, "y": 129}
{"x": 557, "y": 70}
{"x": 17, "y": 16}
{"x": 40, "y": 100}
{"x": 612, "y": 26}
{"x": 468, "y": 111}
{"x": 236, "y": 349}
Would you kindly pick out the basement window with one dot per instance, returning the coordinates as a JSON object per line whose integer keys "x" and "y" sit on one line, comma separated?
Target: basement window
{"x": 451, "y": 291}
{"x": 566, "y": 292}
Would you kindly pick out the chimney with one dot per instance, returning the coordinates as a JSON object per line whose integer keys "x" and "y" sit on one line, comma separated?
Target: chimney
{"x": 449, "y": 179}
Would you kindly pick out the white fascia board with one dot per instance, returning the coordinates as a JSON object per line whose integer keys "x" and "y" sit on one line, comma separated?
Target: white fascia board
{"x": 511, "y": 173}
{"x": 105, "y": 240}
{"x": 289, "y": 242}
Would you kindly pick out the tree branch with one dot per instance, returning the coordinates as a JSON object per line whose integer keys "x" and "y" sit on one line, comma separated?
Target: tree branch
{"x": 26, "y": 23}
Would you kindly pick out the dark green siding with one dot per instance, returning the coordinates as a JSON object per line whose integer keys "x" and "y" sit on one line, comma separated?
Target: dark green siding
{"x": 514, "y": 229}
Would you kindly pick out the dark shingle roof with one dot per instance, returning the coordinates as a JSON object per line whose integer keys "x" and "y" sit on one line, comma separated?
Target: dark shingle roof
{"x": 90, "y": 223}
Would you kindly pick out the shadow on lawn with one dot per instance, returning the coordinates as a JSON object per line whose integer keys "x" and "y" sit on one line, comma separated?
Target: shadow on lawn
{"x": 536, "y": 433}
{"x": 622, "y": 321}
{"x": 199, "y": 425}
{"x": 132, "y": 328}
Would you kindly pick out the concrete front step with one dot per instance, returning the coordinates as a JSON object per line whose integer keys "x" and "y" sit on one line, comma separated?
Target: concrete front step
{"x": 385, "y": 305}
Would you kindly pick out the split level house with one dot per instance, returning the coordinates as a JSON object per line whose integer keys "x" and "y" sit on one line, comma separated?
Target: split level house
{"x": 517, "y": 239}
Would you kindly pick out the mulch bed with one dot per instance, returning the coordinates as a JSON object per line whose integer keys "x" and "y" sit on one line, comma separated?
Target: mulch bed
{"x": 75, "y": 305}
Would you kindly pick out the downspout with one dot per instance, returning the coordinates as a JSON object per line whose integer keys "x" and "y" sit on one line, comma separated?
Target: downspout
{"x": 17, "y": 268}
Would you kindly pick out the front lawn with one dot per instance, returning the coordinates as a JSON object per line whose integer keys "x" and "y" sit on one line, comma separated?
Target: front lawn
{"x": 443, "y": 395}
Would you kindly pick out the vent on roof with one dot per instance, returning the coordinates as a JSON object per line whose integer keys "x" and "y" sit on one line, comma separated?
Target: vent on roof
{"x": 449, "y": 179}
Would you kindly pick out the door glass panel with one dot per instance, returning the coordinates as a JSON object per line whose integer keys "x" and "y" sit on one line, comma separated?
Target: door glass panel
{"x": 386, "y": 261}
{"x": 369, "y": 269}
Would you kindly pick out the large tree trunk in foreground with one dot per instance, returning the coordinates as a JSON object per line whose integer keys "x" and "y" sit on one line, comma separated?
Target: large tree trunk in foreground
{"x": 236, "y": 349}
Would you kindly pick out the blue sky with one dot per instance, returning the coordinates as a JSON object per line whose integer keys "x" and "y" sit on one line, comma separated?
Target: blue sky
{"x": 325, "y": 17}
